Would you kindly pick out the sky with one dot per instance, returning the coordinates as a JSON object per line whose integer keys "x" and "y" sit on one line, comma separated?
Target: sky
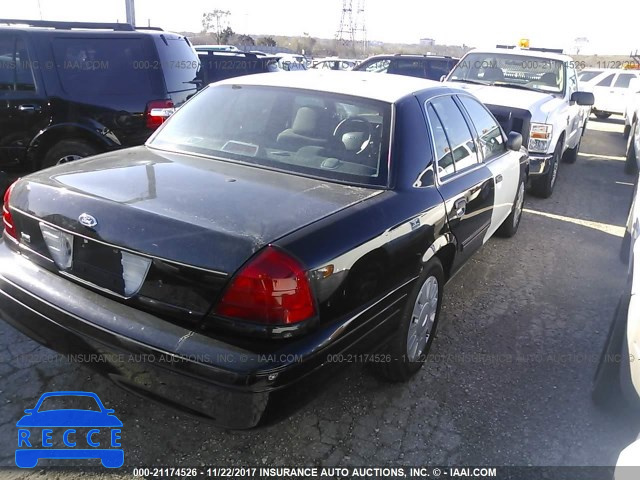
{"x": 547, "y": 23}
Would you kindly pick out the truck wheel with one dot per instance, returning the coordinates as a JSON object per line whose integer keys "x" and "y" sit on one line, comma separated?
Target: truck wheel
{"x": 543, "y": 186}
{"x": 68, "y": 151}
{"x": 510, "y": 225}
{"x": 411, "y": 343}
{"x": 602, "y": 115}
{"x": 631, "y": 163}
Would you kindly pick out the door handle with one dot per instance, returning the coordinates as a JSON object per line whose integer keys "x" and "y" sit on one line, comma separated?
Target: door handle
{"x": 29, "y": 108}
{"x": 498, "y": 178}
{"x": 460, "y": 207}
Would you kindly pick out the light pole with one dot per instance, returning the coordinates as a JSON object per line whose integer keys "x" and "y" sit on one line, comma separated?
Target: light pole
{"x": 131, "y": 11}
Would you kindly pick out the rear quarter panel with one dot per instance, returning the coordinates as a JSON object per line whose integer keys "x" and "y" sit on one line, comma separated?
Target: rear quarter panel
{"x": 378, "y": 245}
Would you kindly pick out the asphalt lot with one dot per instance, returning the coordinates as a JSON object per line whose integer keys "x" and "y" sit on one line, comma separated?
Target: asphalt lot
{"x": 521, "y": 328}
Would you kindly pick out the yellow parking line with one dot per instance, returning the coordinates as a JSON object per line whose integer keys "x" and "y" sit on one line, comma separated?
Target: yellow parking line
{"x": 602, "y": 227}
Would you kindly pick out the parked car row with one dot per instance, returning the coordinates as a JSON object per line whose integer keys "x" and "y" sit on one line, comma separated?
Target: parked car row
{"x": 72, "y": 90}
{"x": 318, "y": 214}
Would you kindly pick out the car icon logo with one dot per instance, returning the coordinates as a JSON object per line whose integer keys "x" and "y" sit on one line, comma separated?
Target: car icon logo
{"x": 87, "y": 220}
{"x": 62, "y": 433}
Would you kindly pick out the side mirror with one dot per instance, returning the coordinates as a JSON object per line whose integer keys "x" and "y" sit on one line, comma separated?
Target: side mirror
{"x": 443, "y": 78}
{"x": 634, "y": 85}
{"x": 583, "y": 98}
{"x": 514, "y": 141}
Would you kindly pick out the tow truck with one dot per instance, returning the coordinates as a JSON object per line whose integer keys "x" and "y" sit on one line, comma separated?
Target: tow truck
{"x": 536, "y": 92}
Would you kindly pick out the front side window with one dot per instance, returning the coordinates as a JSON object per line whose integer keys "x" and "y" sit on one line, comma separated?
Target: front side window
{"x": 587, "y": 75}
{"x": 606, "y": 81}
{"x": 334, "y": 137}
{"x": 511, "y": 70}
{"x": 492, "y": 142}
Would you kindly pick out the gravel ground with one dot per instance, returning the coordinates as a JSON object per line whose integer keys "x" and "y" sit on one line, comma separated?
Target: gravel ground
{"x": 508, "y": 383}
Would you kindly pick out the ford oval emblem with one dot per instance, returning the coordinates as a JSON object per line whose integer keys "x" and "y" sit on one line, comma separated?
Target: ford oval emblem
{"x": 87, "y": 220}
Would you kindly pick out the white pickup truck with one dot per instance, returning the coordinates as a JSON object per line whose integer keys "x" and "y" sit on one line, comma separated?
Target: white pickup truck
{"x": 533, "y": 92}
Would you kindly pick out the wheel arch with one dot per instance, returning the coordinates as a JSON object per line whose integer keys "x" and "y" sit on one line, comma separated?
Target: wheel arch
{"x": 444, "y": 249}
{"x": 48, "y": 138}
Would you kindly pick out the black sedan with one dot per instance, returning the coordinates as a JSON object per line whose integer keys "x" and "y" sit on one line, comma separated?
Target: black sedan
{"x": 274, "y": 224}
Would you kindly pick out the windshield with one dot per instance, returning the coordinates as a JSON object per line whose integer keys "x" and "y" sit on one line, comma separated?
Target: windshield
{"x": 334, "y": 137}
{"x": 511, "y": 70}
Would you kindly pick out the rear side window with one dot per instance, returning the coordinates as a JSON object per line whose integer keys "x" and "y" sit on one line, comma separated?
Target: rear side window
{"x": 491, "y": 141}
{"x": 606, "y": 81}
{"x": 15, "y": 66}
{"x": 456, "y": 130}
{"x": 179, "y": 63}
{"x": 106, "y": 66}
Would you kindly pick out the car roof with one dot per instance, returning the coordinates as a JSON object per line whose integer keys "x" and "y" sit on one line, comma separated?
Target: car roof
{"x": 35, "y": 30}
{"x": 386, "y": 88}
{"x": 524, "y": 52}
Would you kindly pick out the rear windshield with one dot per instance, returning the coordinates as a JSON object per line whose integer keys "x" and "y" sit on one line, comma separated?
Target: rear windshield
{"x": 109, "y": 66}
{"x": 334, "y": 137}
{"x": 179, "y": 63}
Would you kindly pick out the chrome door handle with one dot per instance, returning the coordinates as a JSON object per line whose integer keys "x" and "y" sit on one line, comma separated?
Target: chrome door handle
{"x": 498, "y": 178}
{"x": 29, "y": 108}
{"x": 460, "y": 206}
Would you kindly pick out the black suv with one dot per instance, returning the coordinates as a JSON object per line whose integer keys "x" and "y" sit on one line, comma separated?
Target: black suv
{"x": 432, "y": 67}
{"x": 70, "y": 90}
{"x": 220, "y": 65}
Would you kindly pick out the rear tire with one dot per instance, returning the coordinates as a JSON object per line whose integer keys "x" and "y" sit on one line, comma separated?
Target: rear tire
{"x": 408, "y": 348}
{"x": 66, "y": 151}
{"x": 543, "y": 186}
{"x": 510, "y": 226}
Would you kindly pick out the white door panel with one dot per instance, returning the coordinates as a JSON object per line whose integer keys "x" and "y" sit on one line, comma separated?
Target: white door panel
{"x": 506, "y": 167}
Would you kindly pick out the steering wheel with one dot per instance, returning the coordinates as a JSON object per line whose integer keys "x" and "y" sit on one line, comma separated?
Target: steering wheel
{"x": 354, "y": 124}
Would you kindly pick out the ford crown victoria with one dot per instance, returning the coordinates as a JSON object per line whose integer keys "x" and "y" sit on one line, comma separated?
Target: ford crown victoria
{"x": 273, "y": 221}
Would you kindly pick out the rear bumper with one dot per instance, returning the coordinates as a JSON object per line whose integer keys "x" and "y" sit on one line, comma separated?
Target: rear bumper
{"x": 165, "y": 362}
{"x": 539, "y": 164}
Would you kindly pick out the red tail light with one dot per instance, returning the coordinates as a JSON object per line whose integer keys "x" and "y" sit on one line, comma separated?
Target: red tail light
{"x": 7, "y": 218}
{"x": 272, "y": 289}
{"x": 157, "y": 112}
